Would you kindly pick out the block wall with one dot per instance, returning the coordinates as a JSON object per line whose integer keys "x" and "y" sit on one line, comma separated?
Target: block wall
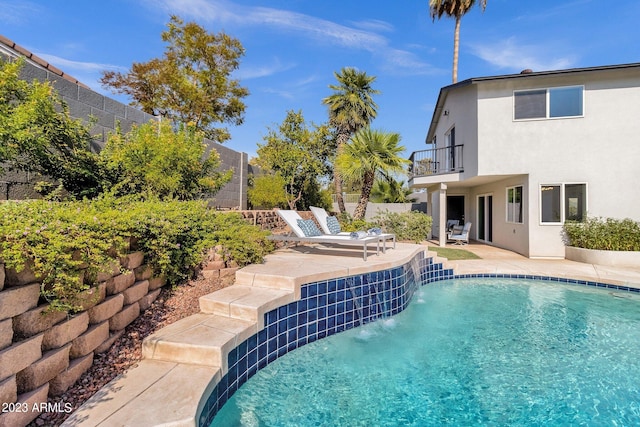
{"x": 43, "y": 353}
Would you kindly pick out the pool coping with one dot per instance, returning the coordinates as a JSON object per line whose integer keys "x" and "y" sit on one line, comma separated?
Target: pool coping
{"x": 235, "y": 313}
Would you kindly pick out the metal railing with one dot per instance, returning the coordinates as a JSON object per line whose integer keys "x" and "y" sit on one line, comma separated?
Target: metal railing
{"x": 436, "y": 161}
{"x": 348, "y": 198}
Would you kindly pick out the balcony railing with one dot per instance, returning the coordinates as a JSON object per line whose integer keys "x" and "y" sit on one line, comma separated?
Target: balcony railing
{"x": 436, "y": 161}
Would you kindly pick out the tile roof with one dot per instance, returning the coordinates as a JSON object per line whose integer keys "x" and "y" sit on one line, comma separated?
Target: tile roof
{"x": 19, "y": 50}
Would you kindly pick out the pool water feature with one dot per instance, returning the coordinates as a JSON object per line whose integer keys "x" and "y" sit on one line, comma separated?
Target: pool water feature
{"x": 465, "y": 351}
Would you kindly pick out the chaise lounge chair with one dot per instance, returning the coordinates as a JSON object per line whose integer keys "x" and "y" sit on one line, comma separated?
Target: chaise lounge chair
{"x": 460, "y": 237}
{"x": 297, "y": 224}
{"x": 331, "y": 226}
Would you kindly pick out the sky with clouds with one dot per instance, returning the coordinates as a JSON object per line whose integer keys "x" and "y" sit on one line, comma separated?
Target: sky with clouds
{"x": 293, "y": 47}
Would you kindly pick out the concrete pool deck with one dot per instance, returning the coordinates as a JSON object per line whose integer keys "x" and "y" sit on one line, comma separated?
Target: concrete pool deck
{"x": 183, "y": 362}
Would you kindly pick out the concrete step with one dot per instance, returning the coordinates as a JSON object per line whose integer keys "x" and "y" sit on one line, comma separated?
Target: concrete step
{"x": 200, "y": 339}
{"x": 247, "y": 303}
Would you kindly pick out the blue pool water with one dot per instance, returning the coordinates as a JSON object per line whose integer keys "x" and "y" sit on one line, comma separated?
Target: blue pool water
{"x": 464, "y": 352}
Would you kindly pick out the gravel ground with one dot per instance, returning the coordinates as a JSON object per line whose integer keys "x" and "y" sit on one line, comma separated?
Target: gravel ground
{"x": 173, "y": 304}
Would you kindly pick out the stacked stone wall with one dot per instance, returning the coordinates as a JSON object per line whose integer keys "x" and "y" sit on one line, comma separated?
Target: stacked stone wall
{"x": 43, "y": 352}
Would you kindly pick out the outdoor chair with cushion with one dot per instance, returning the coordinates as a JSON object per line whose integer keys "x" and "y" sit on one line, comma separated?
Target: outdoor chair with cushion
{"x": 460, "y": 237}
{"x": 307, "y": 231}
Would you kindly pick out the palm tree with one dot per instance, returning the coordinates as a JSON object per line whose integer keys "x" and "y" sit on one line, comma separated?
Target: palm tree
{"x": 388, "y": 190}
{"x": 367, "y": 154}
{"x": 351, "y": 107}
{"x": 456, "y": 9}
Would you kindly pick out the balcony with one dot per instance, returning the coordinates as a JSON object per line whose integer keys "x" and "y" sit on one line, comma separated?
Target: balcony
{"x": 436, "y": 161}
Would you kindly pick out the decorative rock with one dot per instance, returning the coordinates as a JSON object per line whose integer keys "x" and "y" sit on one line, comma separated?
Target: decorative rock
{"x": 18, "y": 356}
{"x": 107, "y": 309}
{"x": 43, "y": 370}
{"x": 69, "y": 376}
{"x": 14, "y": 301}
{"x": 135, "y": 292}
{"x": 92, "y": 296}
{"x": 25, "y": 276}
{"x": 119, "y": 283}
{"x": 228, "y": 272}
{"x": 143, "y": 272}
{"x": 65, "y": 332}
{"x": 133, "y": 260}
{"x": 111, "y": 271}
{"x": 214, "y": 265}
{"x": 31, "y": 400}
{"x": 124, "y": 317}
{"x": 90, "y": 340}
{"x": 36, "y": 320}
{"x": 109, "y": 342}
{"x": 157, "y": 282}
{"x": 146, "y": 301}
{"x": 6, "y": 333}
{"x": 210, "y": 274}
{"x": 8, "y": 390}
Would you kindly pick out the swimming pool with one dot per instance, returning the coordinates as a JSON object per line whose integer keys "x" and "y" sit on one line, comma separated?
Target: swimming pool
{"x": 465, "y": 351}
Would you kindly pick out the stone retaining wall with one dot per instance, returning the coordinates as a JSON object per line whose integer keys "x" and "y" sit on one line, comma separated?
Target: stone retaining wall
{"x": 43, "y": 353}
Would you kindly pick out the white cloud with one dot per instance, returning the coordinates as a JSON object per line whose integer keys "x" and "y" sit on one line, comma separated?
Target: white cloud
{"x": 323, "y": 31}
{"x": 511, "y": 55}
{"x": 12, "y": 13}
{"x": 88, "y": 73}
{"x": 249, "y": 72}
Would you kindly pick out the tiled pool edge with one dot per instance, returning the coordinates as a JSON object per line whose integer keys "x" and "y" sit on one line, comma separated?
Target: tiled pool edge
{"x": 326, "y": 307}
{"x": 282, "y": 335}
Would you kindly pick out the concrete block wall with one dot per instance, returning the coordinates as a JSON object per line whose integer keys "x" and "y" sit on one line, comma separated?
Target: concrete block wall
{"x": 85, "y": 103}
{"x": 44, "y": 353}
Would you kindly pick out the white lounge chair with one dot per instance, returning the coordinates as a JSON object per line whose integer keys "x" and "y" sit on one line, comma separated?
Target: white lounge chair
{"x": 460, "y": 237}
{"x": 292, "y": 217}
{"x": 323, "y": 218}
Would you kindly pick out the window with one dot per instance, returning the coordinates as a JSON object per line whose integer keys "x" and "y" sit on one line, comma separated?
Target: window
{"x": 552, "y": 208}
{"x": 548, "y": 103}
{"x": 514, "y": 204}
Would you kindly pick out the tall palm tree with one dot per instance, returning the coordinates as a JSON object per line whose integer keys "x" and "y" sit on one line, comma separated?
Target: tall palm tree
{"x": 351, "y": 107}
{"x": 367, "y": 154}
{"x": 456, "y": 9}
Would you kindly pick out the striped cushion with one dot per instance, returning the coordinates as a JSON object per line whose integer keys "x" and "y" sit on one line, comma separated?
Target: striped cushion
{"x": 309, "y": 227}
{"x": 333, "y": 224}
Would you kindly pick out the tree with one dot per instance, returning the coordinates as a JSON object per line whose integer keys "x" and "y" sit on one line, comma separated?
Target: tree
{"x": 368, "y": 154}
{"x": 456, "y": 9}
{"x": 191, "y": 84}
{"x": 298, "y": 154}
{"x": 38, "y": 135}
{"x": 351, "y": 108}
{"x": 387, "y": 190}
{"x": 155, "y": 159}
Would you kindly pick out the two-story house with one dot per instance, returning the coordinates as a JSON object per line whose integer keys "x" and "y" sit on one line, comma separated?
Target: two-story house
{"x": 518, "y": 155}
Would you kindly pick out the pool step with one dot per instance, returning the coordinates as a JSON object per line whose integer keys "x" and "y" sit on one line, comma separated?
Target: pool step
{"x": 246, "y": 303}
{"x": 200, "y": 339}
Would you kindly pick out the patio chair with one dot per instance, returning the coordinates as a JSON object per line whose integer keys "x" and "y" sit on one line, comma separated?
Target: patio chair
{"x": 331, "y": 226}
{"x": 306, "y": 231}
{"x": 451, "y": 223}
{"x": 460, "y": 237}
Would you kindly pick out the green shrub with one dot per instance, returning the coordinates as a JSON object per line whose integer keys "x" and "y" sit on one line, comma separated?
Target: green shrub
{"x": 603, "y": 234}
{"x": 65, "y": 242}
{"x": 412, "y": 225}
{"x": 347, "y": 223}
{"x": 267, "y": 192}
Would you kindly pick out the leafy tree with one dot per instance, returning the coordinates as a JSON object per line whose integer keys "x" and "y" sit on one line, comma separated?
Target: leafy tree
{"x": 267, "y": 192}
{"x": 191, "y": 84}
{"x": 298, "y": 154}
{"x": 370, "y": 153}
{"x": 38, "y": 135}
{"x": 154, "y": 159}
{"x": 351, "y": 108}
{"x": 388, "y": 190}
{"x": 453, "y": 9}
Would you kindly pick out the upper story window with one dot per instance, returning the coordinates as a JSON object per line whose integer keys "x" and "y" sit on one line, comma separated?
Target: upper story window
{"x": 548, "y": 103}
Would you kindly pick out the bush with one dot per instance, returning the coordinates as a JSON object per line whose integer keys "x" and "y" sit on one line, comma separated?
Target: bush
{"x": 68, "y": 243}
{"x": 603, "y": 234}
{"x": 412, "y": 225}
{"x": 267, "y": 192}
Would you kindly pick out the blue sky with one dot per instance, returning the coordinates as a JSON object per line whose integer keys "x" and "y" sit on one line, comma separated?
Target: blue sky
{"x": 293, "y": 47}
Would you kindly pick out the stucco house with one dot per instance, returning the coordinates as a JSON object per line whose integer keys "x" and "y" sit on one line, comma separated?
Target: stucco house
{"x": 517, "y": 155}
